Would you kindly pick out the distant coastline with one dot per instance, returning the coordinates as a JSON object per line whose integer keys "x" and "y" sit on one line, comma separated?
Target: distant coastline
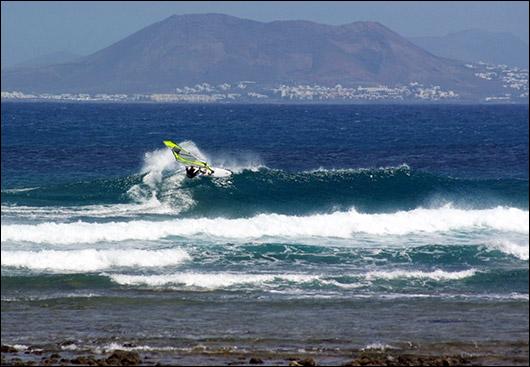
{"x": 514, "y": 79}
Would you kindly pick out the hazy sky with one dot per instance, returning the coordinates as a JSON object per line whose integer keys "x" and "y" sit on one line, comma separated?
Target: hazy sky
{"x": 31, "y": 29}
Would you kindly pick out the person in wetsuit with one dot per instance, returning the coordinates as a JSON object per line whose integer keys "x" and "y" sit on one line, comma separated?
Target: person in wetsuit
{"x": 192, "y": 171}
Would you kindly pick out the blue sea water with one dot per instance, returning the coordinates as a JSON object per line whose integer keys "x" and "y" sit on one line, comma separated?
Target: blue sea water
{"x": 339, "y": 224}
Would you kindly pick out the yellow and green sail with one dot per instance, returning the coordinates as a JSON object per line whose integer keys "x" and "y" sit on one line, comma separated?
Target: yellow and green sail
{"x": 185, "y": 157}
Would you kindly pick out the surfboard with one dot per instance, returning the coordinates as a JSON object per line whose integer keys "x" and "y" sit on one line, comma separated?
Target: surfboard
{"x": 220, "y": 172}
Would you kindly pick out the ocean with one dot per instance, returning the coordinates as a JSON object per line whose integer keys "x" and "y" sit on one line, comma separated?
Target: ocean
{"x": 343, "y": 229}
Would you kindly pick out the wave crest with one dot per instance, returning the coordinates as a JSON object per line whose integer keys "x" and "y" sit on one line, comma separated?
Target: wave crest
{"x": 508, "y": 247}
{"x": 438, "y": 275}
{"x": 79, "y": 261}
{"x": 334, "y": 225}
{"x": 223, "y": 280}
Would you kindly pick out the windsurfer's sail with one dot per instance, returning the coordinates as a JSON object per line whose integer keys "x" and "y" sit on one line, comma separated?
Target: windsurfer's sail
{"x": 185, "y": 157}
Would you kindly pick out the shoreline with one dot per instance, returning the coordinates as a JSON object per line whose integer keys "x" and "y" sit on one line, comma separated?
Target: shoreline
{"x": 444, "y": 354}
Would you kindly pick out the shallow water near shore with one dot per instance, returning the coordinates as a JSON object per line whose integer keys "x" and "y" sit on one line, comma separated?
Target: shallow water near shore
{"x": 342, "y": 229}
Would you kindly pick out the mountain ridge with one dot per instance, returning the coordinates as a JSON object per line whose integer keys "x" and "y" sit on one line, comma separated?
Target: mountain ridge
{"x": 218, "y": 48}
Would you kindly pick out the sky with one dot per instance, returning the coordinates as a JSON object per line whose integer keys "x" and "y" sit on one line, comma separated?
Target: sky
{"x": 32, "y": 29}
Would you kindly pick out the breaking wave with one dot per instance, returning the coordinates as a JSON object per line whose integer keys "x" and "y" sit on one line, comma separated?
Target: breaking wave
{"x": 337, "y": 225}
{"x": 519, "y": 250}
{"x": 209, "y": 281}
{"x": 90, "y": 260}
{"x": 227, "y": 280}
{"x": 438, "y": 275}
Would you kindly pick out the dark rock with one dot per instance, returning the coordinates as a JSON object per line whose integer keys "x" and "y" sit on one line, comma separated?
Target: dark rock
{"x": 255, "y": 360}
{"x": 48, "y": 362}
{"x": 407, "y": 360}
{"x": 16, "y": 362}
{"x": 124, "y": 358}
{"x": 307, "y": 362}
{"x": 55, "y": 355}
{"x": 8, "y": 349}
{"x": 86, "y": 361}
{"x": 129, "y": 345}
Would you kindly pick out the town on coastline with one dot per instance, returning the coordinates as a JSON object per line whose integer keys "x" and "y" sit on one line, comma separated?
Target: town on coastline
{"x": 514, "y": 81}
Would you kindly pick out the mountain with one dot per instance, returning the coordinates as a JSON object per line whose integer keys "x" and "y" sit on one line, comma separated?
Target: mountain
{"x": 59, "y": 57}
{"x": 215, "y": 48}
{"x": 477, "y": 45}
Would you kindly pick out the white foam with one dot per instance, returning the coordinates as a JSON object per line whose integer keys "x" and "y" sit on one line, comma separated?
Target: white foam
{"x": 69, "y": 347}
{"x": 50, "y": 297}
{"x": 403, "y": 167}
{"x": 378, "y": 346}
{"x": 511, "y": 296}
{"x": 146, "y": 206}
{"x": 237, "y": 164}
{"x": 341, "y": 285}
{"x": 511, "y": 248}
{"x": 156, "y": 162}
{"x": 147, "y": 348}
{"x": 155, "y": 184}
{"x": 21, "y": 347}
{"x": 438, "y": 275}
{"x": 223, "y": 280}
{"x": 337, "y": 224}
{"x": 208, "y": 280}
{"x": 157, "y": 194}
{"x": 79, "y": 261}
{"x": 13, "y": 191}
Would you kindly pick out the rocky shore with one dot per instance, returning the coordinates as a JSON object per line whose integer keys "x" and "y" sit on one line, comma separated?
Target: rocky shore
{"x": 32, "y": 356}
